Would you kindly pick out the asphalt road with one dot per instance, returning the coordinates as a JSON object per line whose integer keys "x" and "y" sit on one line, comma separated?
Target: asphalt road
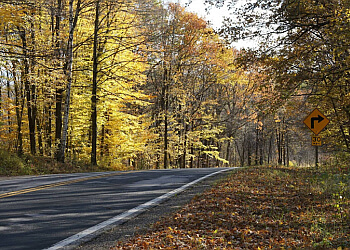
{"x": 39, "y": 212}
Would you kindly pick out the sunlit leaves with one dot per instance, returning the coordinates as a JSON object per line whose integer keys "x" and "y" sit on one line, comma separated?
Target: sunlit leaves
{"x": 44, "y": 28}
{"x": 257, "y": 208}
{"x": 192, "y": 67}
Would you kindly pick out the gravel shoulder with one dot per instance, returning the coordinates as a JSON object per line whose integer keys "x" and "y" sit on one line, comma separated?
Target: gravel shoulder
{"x": 142, "y": 223}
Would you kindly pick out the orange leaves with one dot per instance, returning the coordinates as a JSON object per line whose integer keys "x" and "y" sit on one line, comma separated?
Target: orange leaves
{"x": 250, "y": 210}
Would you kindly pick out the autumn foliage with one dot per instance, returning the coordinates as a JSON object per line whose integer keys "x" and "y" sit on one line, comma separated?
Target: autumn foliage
{"x": 258, "y": 208}
{"x": 118, "y": 84}
{"x": 144, "y": 85}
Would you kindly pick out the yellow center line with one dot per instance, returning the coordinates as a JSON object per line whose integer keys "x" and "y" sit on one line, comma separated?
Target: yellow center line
{"x": 57, "y": 184}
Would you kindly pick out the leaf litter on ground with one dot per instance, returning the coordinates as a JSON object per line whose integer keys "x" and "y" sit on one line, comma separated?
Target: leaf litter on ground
{"x": 256, "y": 208}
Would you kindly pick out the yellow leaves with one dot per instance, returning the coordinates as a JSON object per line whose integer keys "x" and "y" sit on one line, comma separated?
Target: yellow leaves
{"x": 11, "y": 14}
{"x": 348, "y": 14}
{"x": 122, "y": 131}
{"x": 169, "y": 236}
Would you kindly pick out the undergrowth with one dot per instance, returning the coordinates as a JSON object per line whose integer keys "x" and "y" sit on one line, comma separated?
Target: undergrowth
{"x": 13, "y": 165}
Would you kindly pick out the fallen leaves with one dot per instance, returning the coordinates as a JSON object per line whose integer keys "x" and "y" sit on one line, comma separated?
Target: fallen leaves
{"x": 254, "y": 208}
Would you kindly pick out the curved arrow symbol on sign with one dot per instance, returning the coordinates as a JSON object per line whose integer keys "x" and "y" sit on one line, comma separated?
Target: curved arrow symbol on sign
{"x": 313, "y": 119}
{"x": 316, "y": 121}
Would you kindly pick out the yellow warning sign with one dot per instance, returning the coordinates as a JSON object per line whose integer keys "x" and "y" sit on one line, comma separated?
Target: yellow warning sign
{"x": 316, "y": 121}
{"x": 316, "y": 140}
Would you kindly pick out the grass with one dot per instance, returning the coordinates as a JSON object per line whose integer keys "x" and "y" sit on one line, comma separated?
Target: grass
{"x": 13, "y": 165}
{"x": 260, "y": 208}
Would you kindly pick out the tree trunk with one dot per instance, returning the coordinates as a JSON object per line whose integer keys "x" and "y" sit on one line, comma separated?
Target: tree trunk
{"x": 257, "y": 140}
{"x": 28, "y": 90}
{"x": 249, "y": 152}
{"x": 56, "y": 24}
{"x": 287, "y": 149}
{"x": 240, "y": 154}
{"x": 269, "y": 155}
{"x": 262, "y": 145}
{"x": 68, "y": 72}
{"x": 58, "y": 115}
{"x": 192, "y": 149}
{"x": 9, "y": 96}
{"x": 185, "y": 147}
{"x": 1, "y": 97}
{"x": 341, "y": 127}
{"x": 279, "y": 143}
{"x": 94, "y": 87}
{"x": 48, "y": 129}
{"x": 165, "y": 109}
{"x": 228, "y": 151}
{"x": 165, "y": 138}
{"x": 284, "y": 143}
{"x": 40, "y": 139}
{"x": 19, "y": 100}
{"x": 33, "y": 92}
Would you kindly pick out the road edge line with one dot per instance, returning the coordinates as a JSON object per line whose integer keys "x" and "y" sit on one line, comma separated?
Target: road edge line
{"x": 88, "y": 234}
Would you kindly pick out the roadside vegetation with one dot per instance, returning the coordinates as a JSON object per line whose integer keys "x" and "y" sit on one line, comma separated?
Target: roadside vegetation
{"x": 13, "y": 165}
{"x": 261, "y": 208}
{"x": 147, "y": 85}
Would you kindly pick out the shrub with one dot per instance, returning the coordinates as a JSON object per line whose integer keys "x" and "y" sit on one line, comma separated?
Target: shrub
{"x": 11, "y": 164}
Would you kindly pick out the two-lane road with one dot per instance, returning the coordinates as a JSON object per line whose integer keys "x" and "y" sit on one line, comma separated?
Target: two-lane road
{"x": 39, "y": 212}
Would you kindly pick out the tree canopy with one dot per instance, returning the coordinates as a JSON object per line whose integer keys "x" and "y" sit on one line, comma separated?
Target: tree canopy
{"x": 140, "y": 84}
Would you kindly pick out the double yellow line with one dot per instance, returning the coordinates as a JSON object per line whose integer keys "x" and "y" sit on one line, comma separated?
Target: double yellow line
{"x": 57, "y": 184}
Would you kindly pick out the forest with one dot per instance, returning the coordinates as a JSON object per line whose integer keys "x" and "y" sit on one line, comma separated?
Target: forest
{"x": 139, "y": 84}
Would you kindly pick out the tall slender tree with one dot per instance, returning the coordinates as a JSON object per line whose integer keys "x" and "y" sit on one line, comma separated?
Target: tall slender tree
{"x": 68, "y": 69}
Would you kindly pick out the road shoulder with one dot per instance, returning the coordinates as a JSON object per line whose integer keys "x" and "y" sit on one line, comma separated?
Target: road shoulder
{"x": 142, "y": 223}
